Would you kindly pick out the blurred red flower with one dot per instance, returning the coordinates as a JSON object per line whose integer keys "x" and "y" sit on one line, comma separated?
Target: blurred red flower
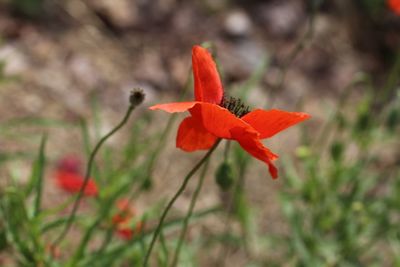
{"x": 54, "y": 251}
{"x": 69, "y": 177}
{"x": 214, "y": 116}
{"x": 394, "y": 5}
{"x": 123, "y": 219}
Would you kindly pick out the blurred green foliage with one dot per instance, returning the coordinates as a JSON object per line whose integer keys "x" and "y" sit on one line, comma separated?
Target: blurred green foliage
{"x": 341, "y": 201}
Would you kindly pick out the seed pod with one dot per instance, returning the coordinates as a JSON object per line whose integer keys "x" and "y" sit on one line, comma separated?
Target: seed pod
{"x": 337, "y": 149}
{"x": 224, "y": 176}
{"x": 393, "y": 120}
{"x": 136, "y": 97}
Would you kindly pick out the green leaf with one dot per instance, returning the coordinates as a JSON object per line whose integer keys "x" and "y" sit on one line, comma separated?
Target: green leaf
{"x": 38, "y": 175}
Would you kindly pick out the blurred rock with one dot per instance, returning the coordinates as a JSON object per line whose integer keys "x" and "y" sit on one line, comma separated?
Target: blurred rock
{"x": 237, "y": 24}
{"x": 241, "y": 59}
{"x": 14, "y": 59}
{"x": 180, "y": 70}
{"x": 84, "y": 72}
{"x": 9, "y": 27}
{"x": 151, "y": 70}
{"x": 120, "y": 14}
{"x": 281, "y": 18}
{"x": 183, "y": 21}
{"x": 158, "y": 10}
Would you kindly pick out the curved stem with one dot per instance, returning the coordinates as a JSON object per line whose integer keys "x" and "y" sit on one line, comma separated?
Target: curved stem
{"x": 189, "y": 214}
{"x": 174, "y": 198}
{"x": 87, "y": 175}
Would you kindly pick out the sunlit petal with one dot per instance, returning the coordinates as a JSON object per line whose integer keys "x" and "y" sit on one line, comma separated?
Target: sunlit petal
{"x": 270, "y": 122}
{"x": 207, "y": 83}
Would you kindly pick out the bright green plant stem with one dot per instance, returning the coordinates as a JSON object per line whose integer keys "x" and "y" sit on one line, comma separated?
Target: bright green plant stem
{"x": 174, "y": 198}
{"x": 189, "y": 214}
{"x": 88, "y": 172}
{"x": 39, "y": 167}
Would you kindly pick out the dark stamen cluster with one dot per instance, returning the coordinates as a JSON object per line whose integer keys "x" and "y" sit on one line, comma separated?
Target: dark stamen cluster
{"x": 235, "y": 106}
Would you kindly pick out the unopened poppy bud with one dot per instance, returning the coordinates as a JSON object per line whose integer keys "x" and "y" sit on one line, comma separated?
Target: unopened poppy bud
{"x": 136, "y": 97}
{"x": 337, "y": 149}
{"x": 363, "y": 122}
{"x": 147, "y": 184}
{"x": 224, "y": 176}
{"x": 393, "y": 120}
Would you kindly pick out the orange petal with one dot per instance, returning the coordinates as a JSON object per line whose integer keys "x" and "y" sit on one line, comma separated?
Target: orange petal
{"x": 394, "y": 5}
{"x": 207, "y": 84}
{"x": 174, "y": 107}
{"x": 192, "y": 136}
{"x": 217, "y": 120}
{"x": 270, "y": 122}
{"x": 250, "y": 142}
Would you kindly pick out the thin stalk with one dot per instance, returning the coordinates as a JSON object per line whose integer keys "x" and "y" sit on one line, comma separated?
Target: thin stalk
{"x": 234, "y": 200}
{"x": 226, "y": 151}
{"x": 88, "y": 172}
{"x": 40, "y": 162}
{"x": 174, "y": 198}
{"x": 164, "y": 248}
{"x": 189, "y": 214}
{"x": 117, "y": 251}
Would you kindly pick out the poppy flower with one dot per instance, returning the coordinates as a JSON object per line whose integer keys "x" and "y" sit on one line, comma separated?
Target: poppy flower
{"x": 70, "y": 163}
{"x": 54, "y": 251}
{"x": 122, "y": 220}
{"x": 394, "y": 5}
{"x": 214, "y": 116}
{"x": 69, "y": 178}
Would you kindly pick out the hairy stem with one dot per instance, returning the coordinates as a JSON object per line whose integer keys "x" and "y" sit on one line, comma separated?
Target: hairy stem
{"x": 89, "y": 167}
{"x": 189, "y": 214}
{"x": 172, "y": 201}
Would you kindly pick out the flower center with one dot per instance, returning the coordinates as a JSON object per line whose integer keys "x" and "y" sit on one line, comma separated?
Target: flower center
{"x": 235, "y": 106}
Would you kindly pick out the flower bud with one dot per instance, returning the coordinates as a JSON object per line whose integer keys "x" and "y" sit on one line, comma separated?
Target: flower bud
{"x": 393, "y": 120}
{"x": 337, "y": 149}
{"x": 224, "y": 176}
{"x": 136, "y": 97}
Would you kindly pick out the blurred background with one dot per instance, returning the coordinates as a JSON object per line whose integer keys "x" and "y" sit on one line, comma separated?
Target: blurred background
{"x": 64, "y": 64}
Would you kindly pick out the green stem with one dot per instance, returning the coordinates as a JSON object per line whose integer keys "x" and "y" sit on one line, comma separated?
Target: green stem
{"x": 87, "y": 175}
{"x": 40, "y": 162}
{"x": 189, "y": 215}
{"x": 226, "y": 151}
{"x": 174, "y": 198}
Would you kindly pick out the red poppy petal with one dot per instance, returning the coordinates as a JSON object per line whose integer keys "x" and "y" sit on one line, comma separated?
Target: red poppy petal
{"x": 394, "y": 5}
{"x": 192, "y": 136}
{"x": 69, "y": 163}
{"x": 207, "y": 84}
{"x": 250, "y": 142}
{"x": 270, "y": 122}
{"x": 90, "y": 189}
{"x": 217, "y": 120}
{"x": 174, "y": 107}
{"x": 125, "y": 233}
{"x": 72, "y": 183}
